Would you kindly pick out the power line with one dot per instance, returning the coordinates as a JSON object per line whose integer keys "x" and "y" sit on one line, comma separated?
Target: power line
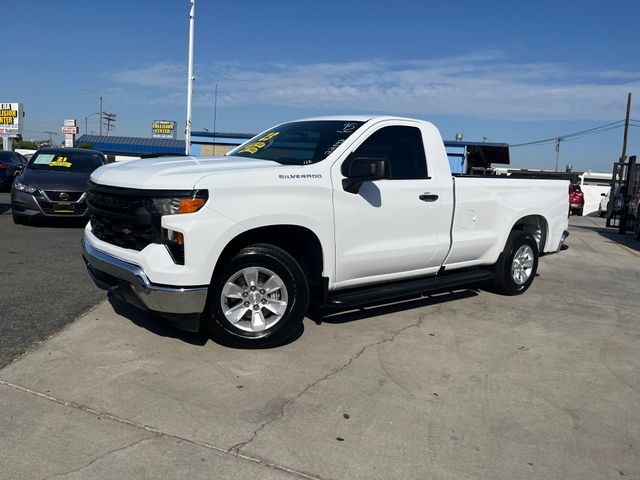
{"x": 581, "y": 133}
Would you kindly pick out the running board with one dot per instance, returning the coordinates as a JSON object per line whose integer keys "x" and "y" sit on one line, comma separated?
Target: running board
{"x": 406, "y": 288}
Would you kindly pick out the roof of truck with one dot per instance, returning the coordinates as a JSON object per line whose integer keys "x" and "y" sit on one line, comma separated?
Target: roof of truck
{"x": 356, "y": 118}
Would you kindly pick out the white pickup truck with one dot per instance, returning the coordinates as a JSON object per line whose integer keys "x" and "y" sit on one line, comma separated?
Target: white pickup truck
{"x": 331, "y": 211}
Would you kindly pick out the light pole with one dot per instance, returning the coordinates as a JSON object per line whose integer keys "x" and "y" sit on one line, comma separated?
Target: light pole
{"x": 93, "y": 91}
{"x": 86, "y": 129}
{"x": 187, "y": 132}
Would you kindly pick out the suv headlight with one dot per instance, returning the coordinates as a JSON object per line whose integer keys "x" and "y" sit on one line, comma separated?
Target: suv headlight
{"x": 178, "y": 205}
{"x": 24, "y": 188}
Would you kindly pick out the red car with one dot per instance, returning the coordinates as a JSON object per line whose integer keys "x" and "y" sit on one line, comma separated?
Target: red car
{"x": 576, "y": 199}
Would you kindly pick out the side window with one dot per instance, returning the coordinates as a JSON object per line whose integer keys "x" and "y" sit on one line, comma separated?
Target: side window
{"x": 402, "y": 147}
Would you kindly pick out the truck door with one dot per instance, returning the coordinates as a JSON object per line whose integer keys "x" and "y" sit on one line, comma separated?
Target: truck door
{"x": 397, "y": 227}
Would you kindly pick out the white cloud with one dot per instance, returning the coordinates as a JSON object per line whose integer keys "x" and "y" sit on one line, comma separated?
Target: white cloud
{"x": 479, "y": 85}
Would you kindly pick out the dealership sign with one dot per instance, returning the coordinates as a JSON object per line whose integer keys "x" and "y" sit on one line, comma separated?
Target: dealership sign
{"x": 10, "y": 119}
{"x": 70, "y": 130}
{"x": 163, "y": 129}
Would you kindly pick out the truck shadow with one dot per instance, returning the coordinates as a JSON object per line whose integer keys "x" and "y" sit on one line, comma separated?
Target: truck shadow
{"x": 155, "y": 324}
{"x": 163, "y": 327}
{"x": 336, "y": 316}
{"x": 612, "y": 236}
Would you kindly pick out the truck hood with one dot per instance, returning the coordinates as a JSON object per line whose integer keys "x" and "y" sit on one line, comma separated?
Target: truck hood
{"x": 172, "y": 172}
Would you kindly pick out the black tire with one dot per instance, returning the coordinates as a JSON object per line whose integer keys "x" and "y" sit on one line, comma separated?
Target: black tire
{"x": 602, "y": 213}
{"x": 636, "y": 228}
{"x": 278, "y": 261}
{"x": 504, "y": 282}
{"x": 17, "y": 219}
{"x": 579, "y": 212}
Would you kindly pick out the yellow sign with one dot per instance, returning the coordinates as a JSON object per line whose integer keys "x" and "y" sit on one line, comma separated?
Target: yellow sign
{"x": 7, "y": 116}
{"x": 163, "y": 129}
{"x": 60, "y": 162}
{"x": 261, "y": 143}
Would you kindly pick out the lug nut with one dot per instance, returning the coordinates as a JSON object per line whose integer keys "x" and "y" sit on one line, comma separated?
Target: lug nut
{"x": 253, "y": 288}
{"x": 246, "y": 304}
{"x": 256, "y": 307}
{"x": 264, "y": 300}
{"x": 244, "y": 294}
{"x": 262, "y": 291}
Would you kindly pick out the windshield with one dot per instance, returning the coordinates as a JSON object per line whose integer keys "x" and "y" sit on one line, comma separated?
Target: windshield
{"x": 66, "y": 161}
{"x": 298, "y": 143}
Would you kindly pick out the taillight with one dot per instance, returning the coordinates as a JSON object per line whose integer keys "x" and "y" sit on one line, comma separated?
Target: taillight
{"x": 2, "y": 166}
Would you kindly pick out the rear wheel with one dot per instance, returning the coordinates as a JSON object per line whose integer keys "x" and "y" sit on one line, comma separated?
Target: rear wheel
{"x": 259, "y": 300}
{"x": 636, "y": 228}
{"x": 517, "y": 265}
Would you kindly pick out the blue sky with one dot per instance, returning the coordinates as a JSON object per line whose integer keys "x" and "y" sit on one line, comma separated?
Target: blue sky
{"x": 509, "y": 71}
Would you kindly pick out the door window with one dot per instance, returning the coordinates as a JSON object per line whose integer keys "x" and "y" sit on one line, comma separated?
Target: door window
{"x": 403, "y": 149}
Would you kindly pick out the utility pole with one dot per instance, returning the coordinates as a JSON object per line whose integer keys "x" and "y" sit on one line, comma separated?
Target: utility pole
{"x": 624, "y": 182}
{"x": 626, "y": 129}
{"x": 51, "y": 134}
{"x": 187, "y": 132}
{"x": 110, "y": 120}
{"x": 101, "y": 116}
{"x": 558, "y": 140}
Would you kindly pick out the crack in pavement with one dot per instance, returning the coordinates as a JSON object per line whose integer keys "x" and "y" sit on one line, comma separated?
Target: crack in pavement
{"x": 235, "y": 449}
{"x": 100, "y": 457}
{"x": 158, "y": 432}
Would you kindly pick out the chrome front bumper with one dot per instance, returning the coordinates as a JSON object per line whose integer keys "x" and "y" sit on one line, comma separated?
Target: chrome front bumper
{"x": 111, "y": 273}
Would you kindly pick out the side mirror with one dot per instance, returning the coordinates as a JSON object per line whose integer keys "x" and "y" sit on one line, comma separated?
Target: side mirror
{"x": 363, "y": 169}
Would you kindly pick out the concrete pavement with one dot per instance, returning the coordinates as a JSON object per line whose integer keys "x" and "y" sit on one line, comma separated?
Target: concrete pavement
{"x": 461, "y": 385}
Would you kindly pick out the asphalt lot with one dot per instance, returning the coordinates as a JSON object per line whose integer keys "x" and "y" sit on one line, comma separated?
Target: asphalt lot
{"x": 463, "y": 385}
{"x": 43, "y": 281}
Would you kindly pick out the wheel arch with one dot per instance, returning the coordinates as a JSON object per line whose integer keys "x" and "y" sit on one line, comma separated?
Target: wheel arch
{"x": 300, "y": 242}
{"x": 537, "y": 225}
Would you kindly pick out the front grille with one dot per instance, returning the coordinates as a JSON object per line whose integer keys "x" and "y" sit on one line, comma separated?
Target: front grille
{"x": 123, "y": 217}
{"x": 130, "y": 218}
{"x": 120, "y": 232}
{"x": 63, "y": 196}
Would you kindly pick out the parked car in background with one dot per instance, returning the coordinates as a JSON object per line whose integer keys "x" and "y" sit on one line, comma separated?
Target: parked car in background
{"x": 604, "y": 204}
{"x": 576, "y": 199}
{"x": 54, "y": 184}
{"x": 11, "y": 165}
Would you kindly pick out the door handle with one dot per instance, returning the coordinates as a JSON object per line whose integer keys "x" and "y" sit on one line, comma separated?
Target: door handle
{"x": 428, "y": 197}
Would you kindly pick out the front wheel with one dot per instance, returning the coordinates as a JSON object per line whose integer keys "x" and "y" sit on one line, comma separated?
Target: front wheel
{"x": 517, "y": 265}
{"x": 259, "y": 300}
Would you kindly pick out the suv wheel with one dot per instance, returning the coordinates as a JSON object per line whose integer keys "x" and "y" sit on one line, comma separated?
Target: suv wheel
{"x": 517, "y": 265}
{"x": 259, "y": 300}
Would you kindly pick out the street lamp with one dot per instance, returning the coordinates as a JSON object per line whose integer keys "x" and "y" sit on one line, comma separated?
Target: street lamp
{"x": 86, "y": 130}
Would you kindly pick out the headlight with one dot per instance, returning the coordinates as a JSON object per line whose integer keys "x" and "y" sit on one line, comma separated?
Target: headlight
{"x": 177, "y": 205}
{"x": 24, "y": 188}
